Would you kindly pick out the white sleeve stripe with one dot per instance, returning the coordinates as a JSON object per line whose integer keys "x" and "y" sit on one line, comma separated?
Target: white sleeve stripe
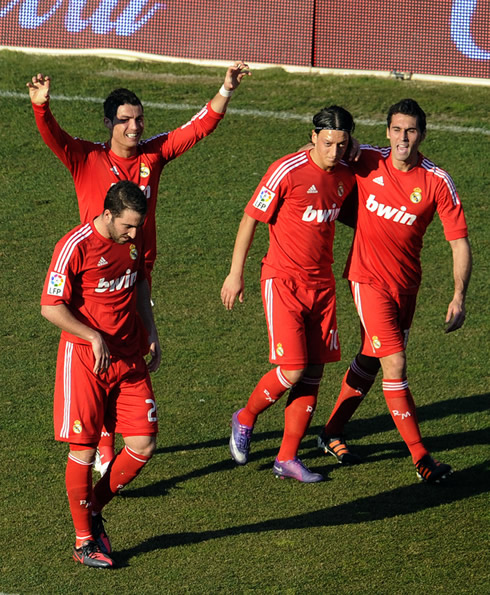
{"x": 285, "y": 168}
{"x": 69, "y": 246}
{"x": 437, "y": 171}
{"x": 385, "y": 151}
{"x": 200, "y": 114}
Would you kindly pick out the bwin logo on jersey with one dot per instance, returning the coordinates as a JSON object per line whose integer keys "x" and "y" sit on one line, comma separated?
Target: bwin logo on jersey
{"x": 321, "y": 215}
{"x": 127, "y": 280}
{"x": 397, "y": 215}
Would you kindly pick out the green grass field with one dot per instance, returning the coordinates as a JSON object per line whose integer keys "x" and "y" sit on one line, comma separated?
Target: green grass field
{"x": 193, "y": 522}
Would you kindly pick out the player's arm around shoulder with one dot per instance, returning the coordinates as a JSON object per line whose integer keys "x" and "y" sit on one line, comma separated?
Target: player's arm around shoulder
{"x": 462, "y": 265}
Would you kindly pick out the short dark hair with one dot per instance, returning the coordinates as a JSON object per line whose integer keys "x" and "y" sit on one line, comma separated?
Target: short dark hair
{"x": 125, "y": 195}
{"x": 408, "y": 107}
{"x": 334, "y": 117}
{"x": 119, "y": 97}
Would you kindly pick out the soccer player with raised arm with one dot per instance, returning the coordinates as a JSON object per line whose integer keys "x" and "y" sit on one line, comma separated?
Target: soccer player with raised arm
{"x": 399, "y": 192}
{"x": 97, "y": 292}
{"x": 299, "y": 198}
{"x": 125, "y": 156}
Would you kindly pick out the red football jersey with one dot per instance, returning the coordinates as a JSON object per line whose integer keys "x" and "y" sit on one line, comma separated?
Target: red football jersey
{"x": 95, "y": 278}
{"x": 94, "y": 167}
{"x": 395, "y": 208}
{"x": 300, "y": 202}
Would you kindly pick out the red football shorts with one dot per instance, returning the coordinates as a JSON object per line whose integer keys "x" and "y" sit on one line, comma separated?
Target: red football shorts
{"x": 386, "y": 318}
{"x": 122, "y": 397}
{"x": 302, "y": 323}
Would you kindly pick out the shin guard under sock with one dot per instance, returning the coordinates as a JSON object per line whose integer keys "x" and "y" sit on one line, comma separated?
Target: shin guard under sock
{"x": 402, "y": 408}
{"x": 297, "y": 416}
{"x": 355, "y": 386}
{"x": 124, "y": 468}
{"x": 269, "y": 389}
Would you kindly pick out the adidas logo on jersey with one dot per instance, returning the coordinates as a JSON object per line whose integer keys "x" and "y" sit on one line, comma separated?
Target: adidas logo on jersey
{"x": 379, "y": 180}
{"x": 102, "y": 262}
{"x": 312, "y": 190}
{"x": 397, "y": 215}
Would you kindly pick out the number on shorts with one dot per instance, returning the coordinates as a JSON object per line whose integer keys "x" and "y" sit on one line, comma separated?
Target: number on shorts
{"x": 152, "y": 412}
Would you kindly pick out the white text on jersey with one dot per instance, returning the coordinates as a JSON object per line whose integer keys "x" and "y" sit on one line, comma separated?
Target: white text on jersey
{"x": 398, "y": 215}
{"x": 127, "y": 280}
{"x": 321, "y": 215}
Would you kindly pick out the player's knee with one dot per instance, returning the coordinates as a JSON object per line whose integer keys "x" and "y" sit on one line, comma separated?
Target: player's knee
{"x": 368, "y": 364}
{"x": 142, "y": 445}
{"x": 84, "y": 453}
{"x": 394, "y": 365}
{"x": 293, "y": 376}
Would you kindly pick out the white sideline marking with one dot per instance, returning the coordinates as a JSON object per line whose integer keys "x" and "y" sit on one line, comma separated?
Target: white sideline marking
{"x": 248, "y": 112}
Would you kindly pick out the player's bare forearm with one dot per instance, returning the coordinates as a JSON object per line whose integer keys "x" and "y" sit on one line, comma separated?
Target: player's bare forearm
{"x": 145, "y": 310}
{"x": 233, "y": 285}
{"x": 233, "y": 78}
{"x": 61, "y": 317}
{"x": 143, "y": 305}
{"x": 462, "y": 265}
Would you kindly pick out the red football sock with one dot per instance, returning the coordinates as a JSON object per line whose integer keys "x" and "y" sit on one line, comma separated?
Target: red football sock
{"x": 297, "y": 416}
{"x": 270, "y": 388}
{"x": 125, "y": 467}
{"x": 402, "y": 408}
{"x": 355, "y": 386}
{"x": 78, "y": 481}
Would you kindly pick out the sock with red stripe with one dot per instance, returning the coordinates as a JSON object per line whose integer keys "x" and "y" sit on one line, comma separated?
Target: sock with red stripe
{"x": 297, "y": 416}
{"x": 78, "y": 481}
{"x": 355, "y": 386}
{"x": 124, "y": 468}
{"x": 269, "y": 389}
{"x": 402, "y": 408}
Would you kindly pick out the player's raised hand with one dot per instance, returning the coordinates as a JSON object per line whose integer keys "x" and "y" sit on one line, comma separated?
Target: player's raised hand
{"x": 39, "y": 87}
{"x": 235, "y": 74}
{"x": 233, "y": 287}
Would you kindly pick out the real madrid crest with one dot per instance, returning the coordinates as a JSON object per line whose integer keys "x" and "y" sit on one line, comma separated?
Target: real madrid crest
{"x": 340, "y": 189}
{"x": 416, "y": 195}
{"x": 133, "y": 252}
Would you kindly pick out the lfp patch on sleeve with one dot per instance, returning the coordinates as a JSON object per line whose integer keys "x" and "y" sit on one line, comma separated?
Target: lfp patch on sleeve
{"x": 264, "y": 199}
{"x": 56, "y": 283}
